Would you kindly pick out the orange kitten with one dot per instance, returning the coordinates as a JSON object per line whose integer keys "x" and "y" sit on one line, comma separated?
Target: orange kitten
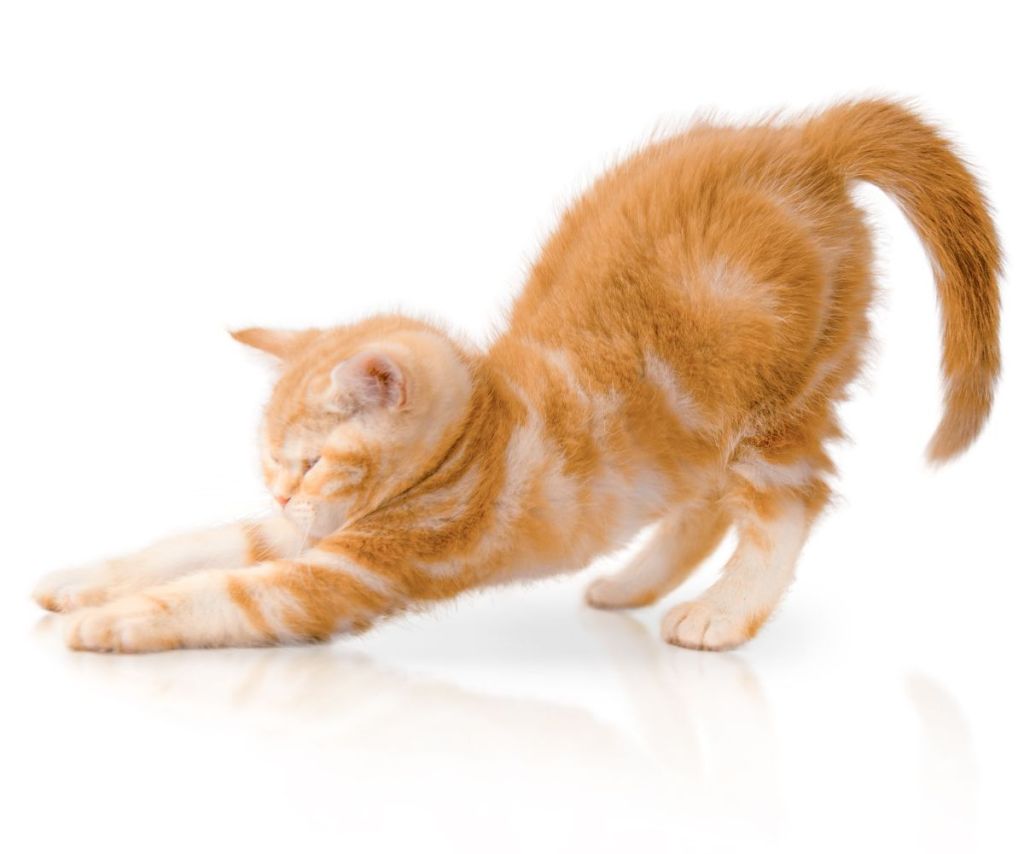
{"x": 675, "y": 357}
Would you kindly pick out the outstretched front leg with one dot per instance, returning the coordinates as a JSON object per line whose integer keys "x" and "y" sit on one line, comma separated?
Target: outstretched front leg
{"x": 772, "y": 522}
{"x": 239, "y": 544}
{"x": 310, "y": 598}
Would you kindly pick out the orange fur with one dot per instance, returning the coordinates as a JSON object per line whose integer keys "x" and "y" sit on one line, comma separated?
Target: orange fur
{"x": 676, "y": 354}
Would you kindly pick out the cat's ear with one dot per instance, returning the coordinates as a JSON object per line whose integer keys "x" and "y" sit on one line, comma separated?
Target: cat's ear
{"x": 371, "y": 379}
{"x": 278, "y": 342}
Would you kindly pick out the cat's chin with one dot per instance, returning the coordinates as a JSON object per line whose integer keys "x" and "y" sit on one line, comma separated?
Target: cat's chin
{"x": 323, "y": 529}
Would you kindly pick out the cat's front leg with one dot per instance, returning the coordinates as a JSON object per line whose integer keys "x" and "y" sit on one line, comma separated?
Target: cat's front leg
{"x": 239, "y": 544}
{"x": 311, "y": 598}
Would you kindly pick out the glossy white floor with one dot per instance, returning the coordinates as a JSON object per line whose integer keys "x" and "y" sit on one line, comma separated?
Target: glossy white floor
{"x": 882, "y": 705}
{"x": 169, "y": 170}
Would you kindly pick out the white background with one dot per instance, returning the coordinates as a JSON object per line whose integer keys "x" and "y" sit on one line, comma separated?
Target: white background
{"x": 169, "y": 170}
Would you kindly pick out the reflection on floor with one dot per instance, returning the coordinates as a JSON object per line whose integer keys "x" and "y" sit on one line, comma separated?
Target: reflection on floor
{"x": 701, "y": 749}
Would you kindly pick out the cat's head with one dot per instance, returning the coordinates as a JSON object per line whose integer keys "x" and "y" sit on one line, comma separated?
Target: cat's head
{"x": 358, "y": 414}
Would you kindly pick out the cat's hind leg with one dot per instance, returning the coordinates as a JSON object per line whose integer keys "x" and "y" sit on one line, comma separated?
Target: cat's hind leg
{"x": 239, "y": 544}
{"x": 773, "y": 512}
{"x": 681, "y": 541}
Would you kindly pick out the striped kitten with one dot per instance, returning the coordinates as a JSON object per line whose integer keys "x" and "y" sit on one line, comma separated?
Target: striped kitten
{"x": 675, "y": 357}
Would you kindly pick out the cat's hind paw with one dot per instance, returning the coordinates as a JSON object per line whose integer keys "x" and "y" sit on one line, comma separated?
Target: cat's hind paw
{"x": 615, "y": 591}
{"x": 702, "y": 625}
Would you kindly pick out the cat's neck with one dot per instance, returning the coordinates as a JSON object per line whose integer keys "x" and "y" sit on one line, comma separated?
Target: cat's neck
{"x": 541, "y": 476}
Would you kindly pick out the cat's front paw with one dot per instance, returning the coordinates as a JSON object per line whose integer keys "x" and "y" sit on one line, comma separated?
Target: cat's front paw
{"x": 70, "y": 589}
{"x": 703, "y": 625}
{"x": 139, "y": 623}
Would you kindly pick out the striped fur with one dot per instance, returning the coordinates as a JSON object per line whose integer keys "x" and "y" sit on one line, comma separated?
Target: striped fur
{"x": 675, "y": 357}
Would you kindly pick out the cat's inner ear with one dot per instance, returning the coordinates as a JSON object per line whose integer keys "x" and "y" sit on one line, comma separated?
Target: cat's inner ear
{"x": 370, "y": 379}
{"x": 278, "y": 342}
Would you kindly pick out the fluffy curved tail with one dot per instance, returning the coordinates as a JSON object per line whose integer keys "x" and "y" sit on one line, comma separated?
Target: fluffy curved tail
{"x": 887, "y": 145}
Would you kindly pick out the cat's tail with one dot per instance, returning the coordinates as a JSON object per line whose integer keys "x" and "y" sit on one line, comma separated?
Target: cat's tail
{"x": 886, "y": 144}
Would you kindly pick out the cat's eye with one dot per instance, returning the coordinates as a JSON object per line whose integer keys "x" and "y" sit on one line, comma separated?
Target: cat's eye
{"x": 308, "y": 464}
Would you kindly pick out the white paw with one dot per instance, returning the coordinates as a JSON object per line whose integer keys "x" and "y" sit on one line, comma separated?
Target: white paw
{"x": 702, "y": 625}
{"x": 70, "y": 589}
{"x": 139, "y": 623}
{"x": 613, "y": 592}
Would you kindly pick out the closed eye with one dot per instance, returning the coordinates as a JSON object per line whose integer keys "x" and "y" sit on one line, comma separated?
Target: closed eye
{"x": 308, "y": 464}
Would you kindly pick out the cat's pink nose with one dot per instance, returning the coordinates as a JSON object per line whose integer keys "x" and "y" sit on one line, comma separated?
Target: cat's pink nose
{"x": 282, "y": 499}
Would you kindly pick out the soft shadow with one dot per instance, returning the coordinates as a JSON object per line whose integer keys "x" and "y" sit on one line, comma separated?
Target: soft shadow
{"x": 948, "y": 770}
{"x": 702, "y": 746}
{"x": 698, "y": 743}
{"x": 706, "y": 718}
